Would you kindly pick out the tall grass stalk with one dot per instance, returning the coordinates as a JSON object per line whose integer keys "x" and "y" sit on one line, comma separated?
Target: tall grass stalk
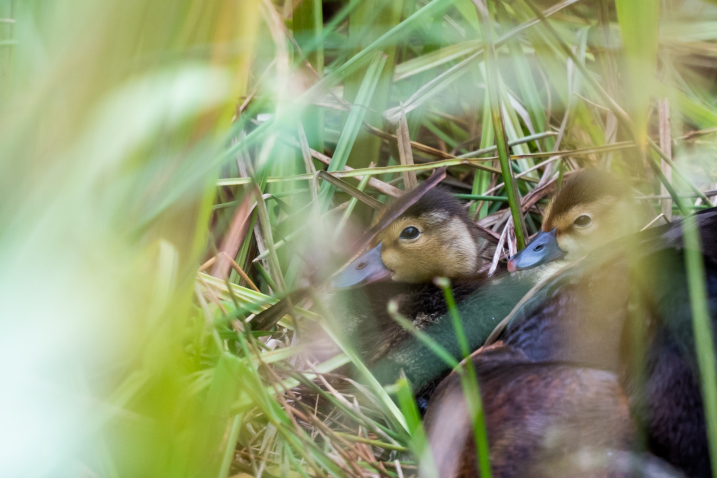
{"x": 469, "y": 380}
{"x": 703, "y": 330}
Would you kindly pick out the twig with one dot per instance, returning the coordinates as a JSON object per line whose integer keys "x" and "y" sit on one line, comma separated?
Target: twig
{"x": 241, "y": 272}
{"x": 404, "y": 152}
{"x": 666, "y": 145}
{"x": 649, "y": 224}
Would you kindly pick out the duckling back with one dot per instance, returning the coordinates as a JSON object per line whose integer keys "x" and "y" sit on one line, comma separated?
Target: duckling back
{"x": 480, "y": 310}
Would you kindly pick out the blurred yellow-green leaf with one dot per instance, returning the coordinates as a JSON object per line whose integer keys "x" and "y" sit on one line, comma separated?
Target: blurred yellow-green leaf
{"x": 640, "y": 32}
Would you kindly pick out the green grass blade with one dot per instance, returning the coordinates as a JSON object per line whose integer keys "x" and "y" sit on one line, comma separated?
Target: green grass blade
{"x": 639, "y": 28}
{"x": 702, "y": 328}
{"x": 353, "y": 124}
{"x": 435, "y": 59}
{"x": 498, "y": 125}
{"x": 481, "y": 181}
{"x": 366, "y": 24}
{"x": 469, "y": 380}
{"x": 308, "y": 32}
{"x": 419, "y": 442}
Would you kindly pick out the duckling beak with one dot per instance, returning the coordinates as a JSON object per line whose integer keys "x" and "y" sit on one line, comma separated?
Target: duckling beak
{"x": 367, "y": 268}
{"x": 544, "y": 248}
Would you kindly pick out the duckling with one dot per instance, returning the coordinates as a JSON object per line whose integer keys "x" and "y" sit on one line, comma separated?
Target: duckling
{"x": 433, "y": 238}
{"x": 590, "y": 210}
{"x": 565, "y": 376}
{"x": 625, "y": 309}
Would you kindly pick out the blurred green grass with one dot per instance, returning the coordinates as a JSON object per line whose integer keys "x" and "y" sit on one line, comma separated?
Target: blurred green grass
{"x": 124, "y": 123}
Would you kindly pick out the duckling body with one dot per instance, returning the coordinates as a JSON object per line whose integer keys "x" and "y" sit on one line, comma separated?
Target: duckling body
{"x": 479, "y": 312}
{"x": 669, "y": 405}
{"x": 375, "y": 332}
{"x": 568, "y": 379}
{"x": 610, "y": 335}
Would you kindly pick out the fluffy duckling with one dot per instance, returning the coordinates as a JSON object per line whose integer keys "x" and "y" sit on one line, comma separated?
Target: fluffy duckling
{"x": 432, "y": 238}
{"x": 567, "y": 383}
{"x": 590, "y": 210}
{"x": 625, "y": 309}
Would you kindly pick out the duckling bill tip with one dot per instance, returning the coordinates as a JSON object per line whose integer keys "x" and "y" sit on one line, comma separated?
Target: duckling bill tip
{"x": 367, "y": 268}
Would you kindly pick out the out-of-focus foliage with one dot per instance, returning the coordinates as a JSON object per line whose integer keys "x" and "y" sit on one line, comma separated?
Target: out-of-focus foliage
{"x": 111, "y": 115}
{"x": 135, "y": 138}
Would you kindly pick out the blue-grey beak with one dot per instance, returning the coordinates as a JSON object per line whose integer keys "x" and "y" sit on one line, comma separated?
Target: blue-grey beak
{"x": 367, "y": 268}
{"x": 544, "y": 248}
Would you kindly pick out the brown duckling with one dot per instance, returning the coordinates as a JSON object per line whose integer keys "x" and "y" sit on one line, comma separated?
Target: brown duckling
{"x": 590, "y": 210}
{"x": 569, "y": 360}
{"x": 432, "y": 238}
{"x": 562, "y": 382}
{"x": 625, "y": 310}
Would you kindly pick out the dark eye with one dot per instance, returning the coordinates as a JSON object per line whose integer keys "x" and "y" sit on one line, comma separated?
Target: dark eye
{"x": 582, "y": 221}
{"x": 409, "y": 233}
{"x": 538, "y": 248}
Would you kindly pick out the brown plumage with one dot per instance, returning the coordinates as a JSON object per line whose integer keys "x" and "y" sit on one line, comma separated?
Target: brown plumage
{"x": 616, "y": 324}
{"x": 542, "y": 419}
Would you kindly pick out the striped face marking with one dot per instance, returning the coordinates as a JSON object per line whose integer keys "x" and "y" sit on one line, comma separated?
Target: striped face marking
{"x": 588, "y": 226}
{"x": 434, "y": 244}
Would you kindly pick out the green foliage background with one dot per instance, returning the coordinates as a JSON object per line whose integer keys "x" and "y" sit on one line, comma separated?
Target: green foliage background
{"x": 135, "y": 137}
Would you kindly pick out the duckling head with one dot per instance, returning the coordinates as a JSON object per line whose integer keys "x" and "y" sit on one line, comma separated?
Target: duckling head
{"x": 433, "y": 238}
{"x": 591, "y": 209}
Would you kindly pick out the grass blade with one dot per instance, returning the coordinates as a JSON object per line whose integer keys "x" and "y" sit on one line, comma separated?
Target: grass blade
{"x": 353, "y": 124}
{"x": 352, "y": 191}
{"x": 639, "y": 28}
{"x": 702, "y": 328}
{"x": 469, "y": 380}
{"x": 405, "y": 153}
{"x": 481, "y": 181}
{"x": 498, "y": 126}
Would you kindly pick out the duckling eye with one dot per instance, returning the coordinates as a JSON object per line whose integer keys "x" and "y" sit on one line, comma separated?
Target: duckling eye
{"x": 538, "y": 248}
{"x": 583, "y": 221}
{"x": 410, "y": 233}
